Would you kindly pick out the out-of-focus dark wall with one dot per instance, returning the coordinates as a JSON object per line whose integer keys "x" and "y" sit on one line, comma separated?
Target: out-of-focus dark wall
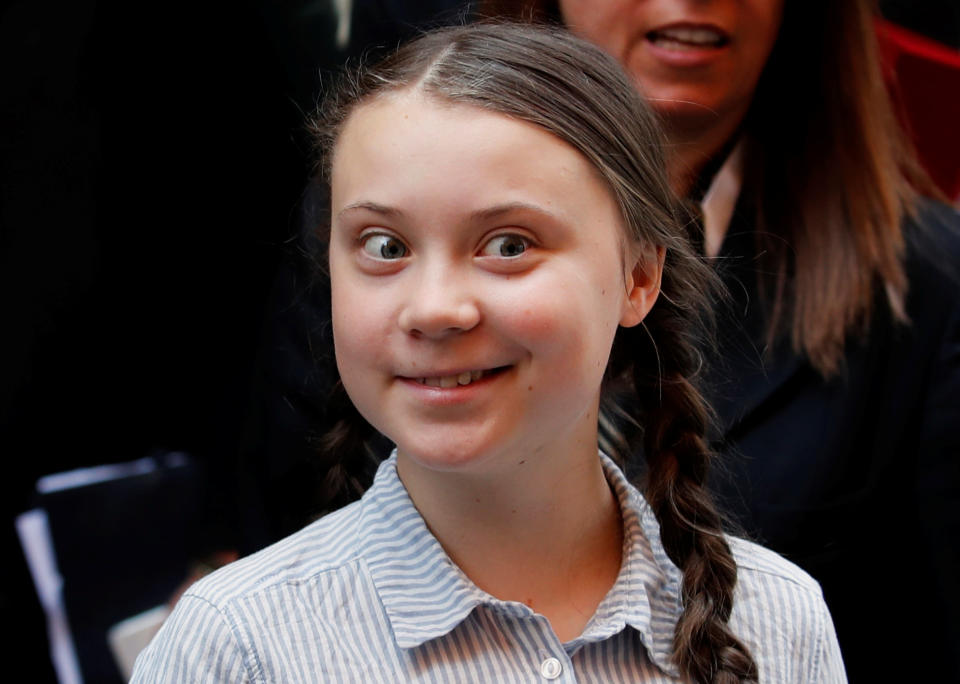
{"x": 150, "y": 158}
{"x": 937, "y": 19}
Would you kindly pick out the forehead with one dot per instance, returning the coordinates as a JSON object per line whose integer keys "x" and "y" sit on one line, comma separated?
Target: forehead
{"x": 408, "y": 147}
{"x": 417, "y": 124}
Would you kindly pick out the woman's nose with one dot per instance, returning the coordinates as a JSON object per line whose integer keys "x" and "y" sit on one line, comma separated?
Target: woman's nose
{"x": 439, "y": 304}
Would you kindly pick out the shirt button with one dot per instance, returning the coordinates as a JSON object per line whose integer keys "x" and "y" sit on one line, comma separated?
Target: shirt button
{"x": 551, "y": 668}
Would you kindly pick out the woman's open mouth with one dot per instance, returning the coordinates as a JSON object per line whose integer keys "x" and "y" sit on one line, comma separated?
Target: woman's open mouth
{"x": 687, "y": 38}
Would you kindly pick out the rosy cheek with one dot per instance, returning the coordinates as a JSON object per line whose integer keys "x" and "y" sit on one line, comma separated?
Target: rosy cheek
{"x": 569, "y": 320}
{"x": 532, "y": 324}
{"x": 549, "y": 326}
{"x": 354, "y": 326}
{"x": 359, "y": 330}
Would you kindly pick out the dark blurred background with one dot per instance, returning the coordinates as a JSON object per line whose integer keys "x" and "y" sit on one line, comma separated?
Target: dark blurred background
{"x": 151, "y": 160}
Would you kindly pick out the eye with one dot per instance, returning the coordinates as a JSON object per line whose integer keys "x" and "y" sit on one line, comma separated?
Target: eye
{"x": 507, "y": 246}
{"x": 380, "y": 246}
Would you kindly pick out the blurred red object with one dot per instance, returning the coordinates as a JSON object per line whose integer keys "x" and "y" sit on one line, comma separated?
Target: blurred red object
{"x": 923, "y": 77}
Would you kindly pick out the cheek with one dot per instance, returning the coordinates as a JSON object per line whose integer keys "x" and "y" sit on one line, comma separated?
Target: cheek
{"x": 568, "y": 325}
{"x": 764, "y": 27}
{"x": 359, "y": 326}
{"x": 602, "y": 22}
{"x": 358, "y": 338}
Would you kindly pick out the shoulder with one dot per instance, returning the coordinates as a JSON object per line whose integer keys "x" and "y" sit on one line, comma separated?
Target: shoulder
{"x": 760, "y": 563}
{"x": 932, "y": 240}
{"x": 932, "y": 265}
{"x": 327, "y": 545}
{"x": 217, "y": 629}
{"x": 779, "y": 611}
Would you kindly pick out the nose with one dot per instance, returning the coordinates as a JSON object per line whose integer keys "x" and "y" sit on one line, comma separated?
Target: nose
{"x": 440, "y": 303}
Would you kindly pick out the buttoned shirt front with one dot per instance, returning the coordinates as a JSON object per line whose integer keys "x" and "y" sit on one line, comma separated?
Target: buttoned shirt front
{"x": 367, "y": 594}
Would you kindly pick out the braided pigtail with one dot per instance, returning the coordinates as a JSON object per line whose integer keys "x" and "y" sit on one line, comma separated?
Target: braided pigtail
{"x": 351, "y": 451}
{"x": 661, "y": 360}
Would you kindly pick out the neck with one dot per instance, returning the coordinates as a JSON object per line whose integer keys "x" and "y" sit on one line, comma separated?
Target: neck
{"x": 692, "y": 145}
{"x": 545, "y": 531}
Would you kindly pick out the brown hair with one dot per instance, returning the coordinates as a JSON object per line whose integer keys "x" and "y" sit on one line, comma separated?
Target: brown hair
{"x": 829, "y": 173}
{"x": 581, "y": 95}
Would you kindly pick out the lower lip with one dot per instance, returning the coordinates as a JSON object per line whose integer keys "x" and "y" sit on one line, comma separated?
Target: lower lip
{"x": 686, "y": 57}
{"x": 459, "y": 394}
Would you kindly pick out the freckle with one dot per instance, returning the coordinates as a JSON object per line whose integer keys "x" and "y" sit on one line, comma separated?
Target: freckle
{"x": 529, "y": 388}
{"x": 529, "y": 602}
{"x": 476, "y": 500}
{"x": 603, "y": 291}
{"x": 513, "y": 510}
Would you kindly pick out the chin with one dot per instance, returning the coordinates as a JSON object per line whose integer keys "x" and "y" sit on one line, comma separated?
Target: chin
{"x": 449, "y": 454}
{"x": 680, "y": 114}
{"x": 449, "y": 458}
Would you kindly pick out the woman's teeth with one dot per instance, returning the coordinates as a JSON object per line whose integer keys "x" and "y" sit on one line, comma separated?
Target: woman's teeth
{"x": 686, "y": 38}
{"x": 448, "y": 381}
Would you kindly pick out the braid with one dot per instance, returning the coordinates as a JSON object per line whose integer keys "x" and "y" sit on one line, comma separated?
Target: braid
{"x": 692, "y": 536}
{"x": 658, "y": 361}
{"x": 348, "y": 449}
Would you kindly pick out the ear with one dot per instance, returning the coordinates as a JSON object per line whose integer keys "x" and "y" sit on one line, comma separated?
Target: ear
{"x": 643, "y": 285}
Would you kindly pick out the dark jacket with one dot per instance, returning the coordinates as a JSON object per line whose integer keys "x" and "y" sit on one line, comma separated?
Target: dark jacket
{"x": 857, "y": 478}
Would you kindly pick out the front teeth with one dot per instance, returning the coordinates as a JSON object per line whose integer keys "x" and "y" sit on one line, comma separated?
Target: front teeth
{"x": 448, "y": 381}
{"x": 688, "y": 36}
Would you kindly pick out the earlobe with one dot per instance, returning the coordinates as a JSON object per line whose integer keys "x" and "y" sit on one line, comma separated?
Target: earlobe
{"x": 643, "y": 286}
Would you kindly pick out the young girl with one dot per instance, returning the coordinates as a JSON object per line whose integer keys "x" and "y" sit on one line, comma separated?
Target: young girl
{"x": 503, "y": 244}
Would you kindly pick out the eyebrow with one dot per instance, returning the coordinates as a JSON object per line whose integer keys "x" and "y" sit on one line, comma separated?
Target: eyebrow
{"x": 478, "y": 215}
{"x": 371, "y": 206}
{"x": 509, "y": 207}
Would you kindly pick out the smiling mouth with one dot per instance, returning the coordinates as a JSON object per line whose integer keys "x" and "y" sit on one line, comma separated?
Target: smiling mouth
{"x": 460, "y": 379}
{"x": 687, "y": 38}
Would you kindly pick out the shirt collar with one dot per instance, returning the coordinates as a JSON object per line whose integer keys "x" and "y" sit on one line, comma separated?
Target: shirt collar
{"x": 646, "y": 595}
{"x": 720, "y": 200}
{"x": 425, "y": 594}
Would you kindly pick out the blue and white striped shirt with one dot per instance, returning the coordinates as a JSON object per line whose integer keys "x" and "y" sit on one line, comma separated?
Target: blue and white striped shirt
{"x": 367, "y": 594}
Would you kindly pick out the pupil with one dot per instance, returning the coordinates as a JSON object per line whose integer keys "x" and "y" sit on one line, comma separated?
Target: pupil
{"x": 391, "y": 249}
{"x": 511, "y": 247}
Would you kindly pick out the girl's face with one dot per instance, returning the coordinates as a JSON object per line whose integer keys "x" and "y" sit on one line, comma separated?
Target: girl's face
{"x": 479, "y": 272}
{"x": 698, "y": 60}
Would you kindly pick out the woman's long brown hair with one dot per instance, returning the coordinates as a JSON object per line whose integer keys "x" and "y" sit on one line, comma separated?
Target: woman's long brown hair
{"x": 830, "y": 174}
{"x": 581, "y": 95}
